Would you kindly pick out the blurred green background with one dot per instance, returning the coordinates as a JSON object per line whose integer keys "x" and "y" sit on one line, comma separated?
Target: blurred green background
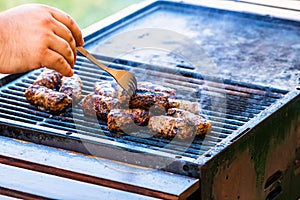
{"x": 85, "y": 12}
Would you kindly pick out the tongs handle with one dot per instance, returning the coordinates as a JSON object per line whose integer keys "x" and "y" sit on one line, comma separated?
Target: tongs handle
{"x": 84, "y": 52}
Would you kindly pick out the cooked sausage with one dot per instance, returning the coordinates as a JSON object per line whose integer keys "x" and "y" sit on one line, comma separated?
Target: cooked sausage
{"x": 107, "y": 88}
{"x": 46, "y": 98}
{"x": 180, "y": 123}
{"x": 179, "y": 119}
{"x": 146, "y": 100}
{"x": 124, "y": 120}
{"x": 201, "y": 124}
{"x": 72, "y": 86}
{"x": 190, "y": 106}
{"x": 49, "y": 78}
{"x": 150, "y": 87}
{"x": 100, "y": 105}
{"x": 169, "y": 127}
{"x": 60, "y": 91}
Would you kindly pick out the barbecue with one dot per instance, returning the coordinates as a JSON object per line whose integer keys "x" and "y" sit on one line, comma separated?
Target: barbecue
{"x": 247, "y": 87}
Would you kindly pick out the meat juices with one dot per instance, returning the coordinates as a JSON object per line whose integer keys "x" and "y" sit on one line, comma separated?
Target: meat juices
{"x": 51, "y": 91}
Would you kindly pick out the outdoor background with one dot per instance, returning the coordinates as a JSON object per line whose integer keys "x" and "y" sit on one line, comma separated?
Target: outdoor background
{"x": 84, "y": 12}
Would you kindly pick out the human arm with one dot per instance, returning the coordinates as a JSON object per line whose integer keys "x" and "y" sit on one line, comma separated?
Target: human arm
{"x": 34, "y": 36}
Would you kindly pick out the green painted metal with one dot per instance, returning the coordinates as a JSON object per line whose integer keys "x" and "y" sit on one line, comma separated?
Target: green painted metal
{"x": 270, "y": 134}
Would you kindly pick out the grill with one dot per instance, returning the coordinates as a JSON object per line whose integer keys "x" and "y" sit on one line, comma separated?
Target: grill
{"x": 244, "y": 102}
{"x": 241, "y": 106}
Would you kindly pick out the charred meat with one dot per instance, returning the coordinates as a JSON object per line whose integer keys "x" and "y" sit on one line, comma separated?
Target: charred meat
{"x": 108, "y": 89}
{"x": 51, "y": 91}
{"x": 150, "y": 87}
{"x": 190, "y": 106}
{"x": 180, "y": 123}
{"x": 174, "y": 117}
{"x": 124, "y": 120}
{"x": 97, "y": 105}
{"x": 202, "y": 125}
{"x": 72, "y": 86}
{"x": 169, "y": 127}
{"x": 146, "y": 100}
{"x": 46, "y": 98}
{"x": 49, "y": 78}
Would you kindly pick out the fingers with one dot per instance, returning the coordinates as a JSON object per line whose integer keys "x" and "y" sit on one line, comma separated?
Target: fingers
{"x": 58, "y": 63}
{"x": 66, "y": 28}
{"x": 62, "y": 47}
{"x": 62, "y": 42}
{"x": 63, "y": 32}
{"x": 69, "y": 22}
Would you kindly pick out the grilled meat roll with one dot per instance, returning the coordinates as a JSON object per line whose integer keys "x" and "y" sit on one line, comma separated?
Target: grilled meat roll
{"x": 72, "y": 87}
{"x": 108, "y": 89}
{"x": 150, "y": 87}
{"x": 100, "y": 105}
{"x": 169, "y": 127}
{"x": 46, "y": 98}
{"x": 49, "y": 78}
{"x": 190, "y": 106}
{"x": 180, "y": 123}
{"x": 146, "y": 100}
{"x": 55, "y": 90}
{"x": 146, "y": 96}
{"x": 202, "y": 125}
{"x": 124, "y": 120}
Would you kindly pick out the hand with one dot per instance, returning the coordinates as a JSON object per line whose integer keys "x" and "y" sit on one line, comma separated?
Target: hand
{"x": 34, "y": 36}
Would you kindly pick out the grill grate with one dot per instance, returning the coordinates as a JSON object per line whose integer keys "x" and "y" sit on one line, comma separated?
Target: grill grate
{"x": 238, "y": 103}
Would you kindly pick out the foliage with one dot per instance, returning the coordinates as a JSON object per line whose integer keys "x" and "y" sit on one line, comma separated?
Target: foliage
{"x": 84, "y": 12}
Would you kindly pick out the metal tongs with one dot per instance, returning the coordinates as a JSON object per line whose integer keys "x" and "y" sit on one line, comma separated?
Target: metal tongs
{"x": 124, "y": 78}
